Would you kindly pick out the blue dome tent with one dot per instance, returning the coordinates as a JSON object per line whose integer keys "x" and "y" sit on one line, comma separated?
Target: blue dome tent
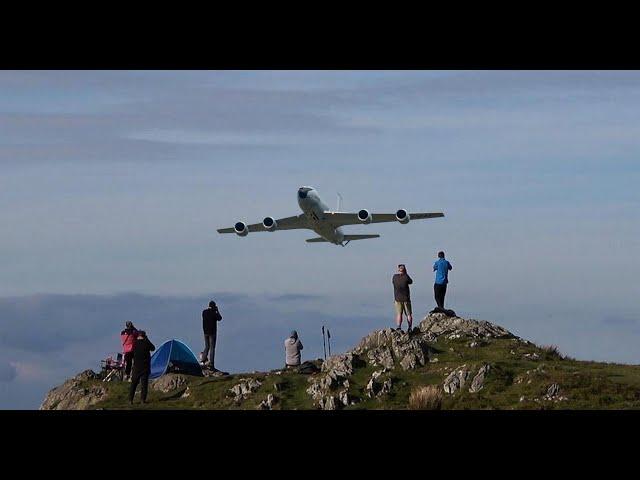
{"x": 174, "y": 356}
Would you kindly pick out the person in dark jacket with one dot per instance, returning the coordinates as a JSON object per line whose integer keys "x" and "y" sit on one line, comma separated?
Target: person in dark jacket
{"x": 128, "y": 338}
{"x": 210, "y": 318}
{"x": 402, "y": 297}
{"x": 141, "y": 366}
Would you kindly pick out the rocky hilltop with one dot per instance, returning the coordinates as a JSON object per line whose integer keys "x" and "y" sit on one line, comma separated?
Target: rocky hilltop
{"x": 445, "y": 362}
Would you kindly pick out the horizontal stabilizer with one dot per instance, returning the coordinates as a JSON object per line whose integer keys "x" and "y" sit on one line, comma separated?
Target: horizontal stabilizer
{"x": 316, "y": 239}
{"x": 359, "y": 237}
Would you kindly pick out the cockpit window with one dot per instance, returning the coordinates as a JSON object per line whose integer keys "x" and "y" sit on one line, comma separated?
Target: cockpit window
{"x": 302, "y": 193}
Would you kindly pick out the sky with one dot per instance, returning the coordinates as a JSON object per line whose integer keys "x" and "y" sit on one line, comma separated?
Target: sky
{"x": 113, "y": 183}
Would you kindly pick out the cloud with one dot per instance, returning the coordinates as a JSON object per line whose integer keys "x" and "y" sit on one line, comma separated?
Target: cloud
{"x": 8, "y": 372}
{"x": 292, "y": 297}
{"x": 620, "y": 321}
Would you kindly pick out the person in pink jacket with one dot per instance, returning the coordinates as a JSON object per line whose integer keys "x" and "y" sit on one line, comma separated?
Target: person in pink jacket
{"x": 128, "y": 338}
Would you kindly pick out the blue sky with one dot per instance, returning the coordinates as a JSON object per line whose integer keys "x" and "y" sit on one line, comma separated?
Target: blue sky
{"x": 113, "y": 184}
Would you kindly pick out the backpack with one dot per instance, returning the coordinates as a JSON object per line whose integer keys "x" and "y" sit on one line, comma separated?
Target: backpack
{"x": 447, "y": 312}
{"x": 308, "y": 368}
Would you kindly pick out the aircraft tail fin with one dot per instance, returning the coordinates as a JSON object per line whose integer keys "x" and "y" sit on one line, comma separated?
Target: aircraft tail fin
{"x": 315, "y": 240}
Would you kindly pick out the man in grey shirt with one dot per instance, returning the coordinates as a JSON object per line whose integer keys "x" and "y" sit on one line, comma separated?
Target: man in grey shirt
{"x": 292, "y": 347}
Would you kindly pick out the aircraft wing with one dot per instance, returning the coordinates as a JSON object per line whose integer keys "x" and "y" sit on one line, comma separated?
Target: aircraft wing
{"x": 287, "y": 223}
{"x": 345, "y": 218}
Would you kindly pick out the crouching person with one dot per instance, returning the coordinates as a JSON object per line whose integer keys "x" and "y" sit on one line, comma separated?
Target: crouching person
{"x": 292, "y": 347}
{"x": 142, "y": 349}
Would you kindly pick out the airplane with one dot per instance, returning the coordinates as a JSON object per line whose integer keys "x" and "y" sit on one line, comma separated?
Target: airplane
{"x": 317, "y": 216}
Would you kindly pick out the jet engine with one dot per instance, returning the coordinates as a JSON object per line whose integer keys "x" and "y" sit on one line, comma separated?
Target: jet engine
{"x": 269, "y": 224}
{"x": 364, "y": 216}
{"x": 241, "y": 229}
{"x": 402, "y": 216}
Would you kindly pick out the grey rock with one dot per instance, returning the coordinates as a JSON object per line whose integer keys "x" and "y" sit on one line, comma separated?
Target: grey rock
{"x": 456, "y": 379}
{"x": 169, "y": 382}
{"x": 378, "y": 386}
{"x": 380, "y": 357}
{"x": 477, "y": 383}
{"x": 438, "y": 324}
{"x": 383, "y": 348}
{"x": 338, "y": 365}
{"x": 213, "y": 373}
{"x": 315, "y": 391}
{"x": 86, "y": 375}
{"x": 328, "y": 403}
{"x": 334, "y": 373}
{"x": 552, "y": 392}
{"x": 245, "y": 388}
{"x": 72, "y": 395}
{"x": 267, "y": 403}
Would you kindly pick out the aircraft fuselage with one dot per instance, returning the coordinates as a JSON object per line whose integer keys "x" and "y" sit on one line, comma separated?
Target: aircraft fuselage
{"x": 313, "y": 208}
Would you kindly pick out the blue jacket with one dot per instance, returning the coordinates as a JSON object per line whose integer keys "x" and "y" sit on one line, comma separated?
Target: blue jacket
{"x": 442, "y": 267}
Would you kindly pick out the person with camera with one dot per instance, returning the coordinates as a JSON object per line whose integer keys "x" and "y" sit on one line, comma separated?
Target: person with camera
{"x": 402, "y": 297}
{"x": 441, "y": 267}
{"x": 292, "y": 347}
{"x": 142, "y": 349}
{"x": 128, "y": 338}
{"x": 210, "y": 318}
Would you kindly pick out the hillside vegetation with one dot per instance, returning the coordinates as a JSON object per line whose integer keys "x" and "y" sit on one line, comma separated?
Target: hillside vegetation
{"x": 467, "y": 364}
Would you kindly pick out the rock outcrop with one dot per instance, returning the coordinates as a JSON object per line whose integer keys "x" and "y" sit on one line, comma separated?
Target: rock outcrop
{"x": 379, "y": 384}
{"x": 267, "y": 403}
{"x": 72, "y": 395}
{"x": 456, "y": 380}
{"x": 477, "y": 383}
{"x": 333, "y": 377}
{"x": 245, "y": 388}
{"x": 169, "y": 382}
{"x": 438, "y": 324}
{"x": 383, "y": 348}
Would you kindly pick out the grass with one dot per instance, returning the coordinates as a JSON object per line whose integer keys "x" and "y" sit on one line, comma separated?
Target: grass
{"x": 428, "y": 397}
{"x": 586, "y": 385}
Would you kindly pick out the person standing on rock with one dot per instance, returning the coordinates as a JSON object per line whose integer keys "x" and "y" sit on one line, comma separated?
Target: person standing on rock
{"x": 441, "y": 267}
{"x": 292, "y": 347}
{"x": 141, "y": 366}
{"x": 402, "y": 297}
{"x": 210, "y": 318}
{"x": 128, "y": 338}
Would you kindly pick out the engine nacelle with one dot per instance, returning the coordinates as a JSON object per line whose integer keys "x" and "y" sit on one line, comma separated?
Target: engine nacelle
{"x": 241, "y": 229}
{"x": 364, "y": 216}
{"x": 403, "y": 216}
{"x": 269, "y": 224}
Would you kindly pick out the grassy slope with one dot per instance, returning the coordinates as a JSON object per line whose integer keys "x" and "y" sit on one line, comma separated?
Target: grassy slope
{"x": 588, "y": 385}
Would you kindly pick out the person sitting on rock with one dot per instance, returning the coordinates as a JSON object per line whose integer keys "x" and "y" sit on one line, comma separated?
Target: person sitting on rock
{"x": 402, "y": 296}
{"x": 292, "y": 347}
{"x": 128, "y": 338}
{"x": 441, "y": 267}
{"x": 141, "y": 366}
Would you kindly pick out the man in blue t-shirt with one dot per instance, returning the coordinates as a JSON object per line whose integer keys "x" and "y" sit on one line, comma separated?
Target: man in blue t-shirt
{"x": 441, "y": 267}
